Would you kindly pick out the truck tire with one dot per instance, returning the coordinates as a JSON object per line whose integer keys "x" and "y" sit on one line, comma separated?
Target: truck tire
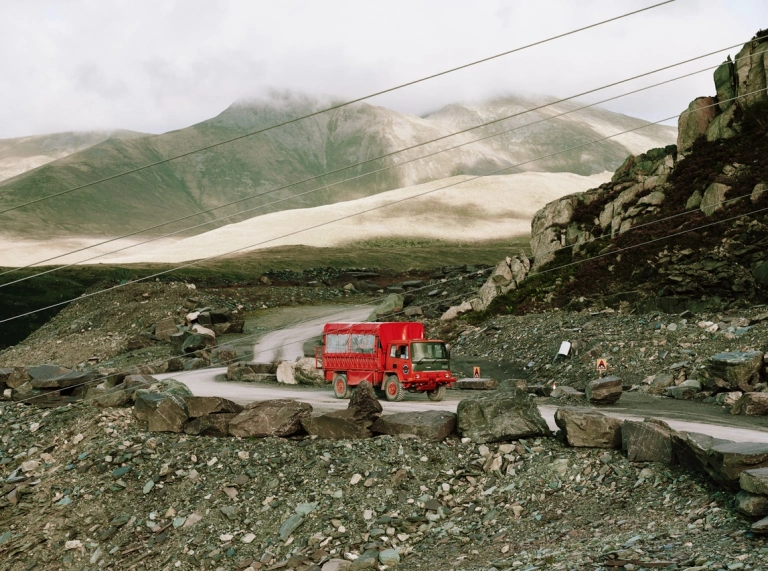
{"x": 438, "y": 394}
{"x": 394, "y": 389}
{"x": 340, "y": 387}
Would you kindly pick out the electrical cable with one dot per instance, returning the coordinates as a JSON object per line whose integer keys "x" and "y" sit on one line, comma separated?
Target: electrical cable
{"x": 344, "y": 181}
{"x": 320, "y": 225}
{"x": 338, "y": 106}
{"x": 253, "y": 353}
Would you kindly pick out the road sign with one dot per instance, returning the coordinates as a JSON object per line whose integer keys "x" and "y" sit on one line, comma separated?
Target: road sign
{"x": 602, "y": 364}
{"x": 476, "y": 372}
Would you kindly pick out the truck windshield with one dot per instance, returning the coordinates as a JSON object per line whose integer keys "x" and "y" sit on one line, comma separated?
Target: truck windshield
{"x": 427, "y": 351}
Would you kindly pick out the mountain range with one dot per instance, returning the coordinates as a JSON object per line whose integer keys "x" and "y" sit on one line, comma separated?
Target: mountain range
{"x": 305, "y": 149}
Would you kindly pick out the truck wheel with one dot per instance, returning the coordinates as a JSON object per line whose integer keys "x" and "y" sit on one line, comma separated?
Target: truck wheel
{"x": 340, "y": 387}
{"x": 394, "y": 389}
{"x": 438, "y": 394}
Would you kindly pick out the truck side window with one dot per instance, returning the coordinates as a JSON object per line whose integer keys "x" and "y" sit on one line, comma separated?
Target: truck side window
{"x": 393, "y": 351}
{"x": 403, "y": 350}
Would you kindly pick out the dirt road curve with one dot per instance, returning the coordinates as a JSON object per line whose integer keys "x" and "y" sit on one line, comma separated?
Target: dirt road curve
{"x": 696, "y": 417}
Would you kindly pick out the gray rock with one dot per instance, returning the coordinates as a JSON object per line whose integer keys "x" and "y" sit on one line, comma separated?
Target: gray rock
{"x": 165, "y": 328}
{"x": 588, "y": 429}
{"x": 604, "y": 391}
{"x": 761, "y": 526}
{"x": 728, "y": 461}
{"x": 330, "y": 427}
{"x": 389, "y": 557}
{"x": 45, "y": 372}
{"x": 428, "y": 424}
{"x": 166, "y": 387}
{"x": 169, "y": 415}
{"x": 281, "y": 417}
{"x": 202, "y": 406}
{"x": 685, "y": 390}
{"x": 647, "y": 441}
{"x": 177, "y": 341}
{"x": 758, "y": 191}
{"x": 733, "y": 371}
{"x": 392, "y": 303}
{"x": 485, "y": 384}
{"x": 289, "y": 526}
{"x": 223, "y": 354}
{"x": 506, "y": 415}
{"x": 751, "y": 505}
{"x": 751, "y": 404}
{"x": 336, "y": 565}
{"x": 210, "y": 425}
{"x": 755, "y": 481}
{"x": 114, "y": 397}
{"x": 64, "y": 381}
{"x": 694, "y": 121}
{"x": 18, "y": 377}
{"x": 146, "y": 403}
{"x": 692, "y": 449}
{"x": 240, "y": 372}
{"x": 364, "y": 408}
{"x": 713, "y": 198}
{"x": 197, "y": 342}
{"x": 564, "y": 392}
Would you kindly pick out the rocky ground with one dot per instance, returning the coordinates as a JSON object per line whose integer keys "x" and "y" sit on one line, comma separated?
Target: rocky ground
{"x": 89, "y": 488}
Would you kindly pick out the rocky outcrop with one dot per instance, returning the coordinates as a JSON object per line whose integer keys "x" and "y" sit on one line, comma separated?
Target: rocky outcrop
{"x": 731, "y": 371}
{"x": 506, "y": 276}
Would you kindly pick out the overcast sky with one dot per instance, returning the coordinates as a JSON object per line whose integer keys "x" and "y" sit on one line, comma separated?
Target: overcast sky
{"x": 156, "y": 66}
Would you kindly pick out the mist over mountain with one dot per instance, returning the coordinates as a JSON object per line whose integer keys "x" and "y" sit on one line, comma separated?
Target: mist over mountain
{"x": 22, "y": 154}
{"x": 308, "y": 148}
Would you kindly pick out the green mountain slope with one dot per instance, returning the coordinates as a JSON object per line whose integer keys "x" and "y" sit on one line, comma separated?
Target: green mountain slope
{"x": 308, "y": 148}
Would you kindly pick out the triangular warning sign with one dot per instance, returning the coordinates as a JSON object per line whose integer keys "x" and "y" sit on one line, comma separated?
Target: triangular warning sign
{"x": 602, "y": 364}
{"x": 476, "y": 372}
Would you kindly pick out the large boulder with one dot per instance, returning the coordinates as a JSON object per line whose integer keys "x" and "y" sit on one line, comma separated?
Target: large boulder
{"x": 604, "y": 391}
{"x": 427, "y": 424}
{"x": 110, "y": 398}
{"x": 165, "y": 328}
{"x": 754, "y": 480}
{"x": 334, "y": 427}
{"x": 197, "y": 342}
{"x": 728, "y": 461}
{"x": 751, "y": 404}
{"x": 165, "y": 387}
{"x": 647, "y": 441}
{"x": 45, "y": 372}
{"x": 732, "y": 371}
{"x": 146, "y": 403}
{"x": 714, "y": 198}
{"x": 453, "y": 312}
{"x": 169, "y": 415}
{"x": 751, "y": 504}
{"x": 210, "y": 425}
{"x": 18, "y": 377}
{"x": 66, "y": 380}
{"x": 202, "y": 406}
{"x": 391, "y": 304}
{"x": 692, "y": 449}
{"x": 302, "y": 371}
{"x": 363, "y": 409}
{"x": 506, "y": 415}
{"x": 224, "y": 354}
{"x": 588, "y": 429}
{"x": 280, "y": 417}
{"x": 694, "y": 121}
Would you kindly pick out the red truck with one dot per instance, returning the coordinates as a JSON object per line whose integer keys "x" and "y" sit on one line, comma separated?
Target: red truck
{"x": 394, "y": 357}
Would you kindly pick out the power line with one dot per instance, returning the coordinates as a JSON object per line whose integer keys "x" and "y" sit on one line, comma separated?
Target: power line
{"x": 320, "y": 225}
{"x": 338, "y": 106}
{"x": 327, "y": 186}
{"x": 533, "y": 276}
